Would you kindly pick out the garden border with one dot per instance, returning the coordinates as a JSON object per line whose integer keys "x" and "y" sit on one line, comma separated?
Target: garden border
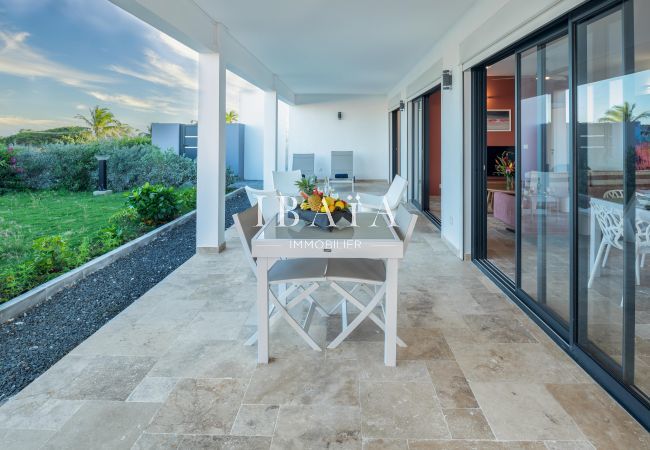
{"x": 18, "y": 305}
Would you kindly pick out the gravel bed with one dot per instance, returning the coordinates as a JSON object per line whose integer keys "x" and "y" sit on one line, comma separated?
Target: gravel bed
{"x": 34, "y": 341}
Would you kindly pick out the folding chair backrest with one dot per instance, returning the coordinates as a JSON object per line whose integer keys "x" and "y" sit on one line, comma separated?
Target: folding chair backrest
{"x": 270, "y": 204}
{"x": 304, "y": 162}
{"x": 342, "y": 163}
{"x": 285, "y": 182}
{"x": 405, "y": 225}
{"x": 396, "y": 191}
{"x": 246, "y": 225}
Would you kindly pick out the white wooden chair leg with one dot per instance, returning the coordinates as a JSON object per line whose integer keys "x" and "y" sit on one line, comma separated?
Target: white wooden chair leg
{"x": 360, "y": 306}
{"x": 594, "y": 269}
{"x": 357, "y": 320}
{"x": 295, "y": 325}
{"x": 643, "y": 260}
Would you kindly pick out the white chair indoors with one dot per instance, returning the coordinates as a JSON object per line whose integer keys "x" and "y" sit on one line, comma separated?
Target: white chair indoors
{"x": 394, "y": 196}
{"x": 365, "y": 273}
{"x": 610, "y": 221}
{"x": 304, "y": 162}
{"x": 293, "y": 272}
{"x": 342, "y": 168}
{"x": 270, "y": 202}
{"x": 285, "y": 182}
{"x": 613, "y": 194}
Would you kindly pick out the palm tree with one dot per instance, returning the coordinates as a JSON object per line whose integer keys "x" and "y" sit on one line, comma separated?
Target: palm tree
{"x": 102, "y": 123}
{"x": 623, "y": 113}
{"x": 232, "y": 116}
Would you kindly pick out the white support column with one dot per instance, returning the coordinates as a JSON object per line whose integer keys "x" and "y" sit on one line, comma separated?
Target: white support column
{"x": 270, "y": 137}
{"x": 211, "y": 158}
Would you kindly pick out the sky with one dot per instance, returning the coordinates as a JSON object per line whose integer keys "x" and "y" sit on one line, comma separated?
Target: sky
{"x": 58, "y": 58}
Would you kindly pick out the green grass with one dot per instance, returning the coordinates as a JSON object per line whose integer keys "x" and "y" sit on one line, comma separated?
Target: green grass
{"x": 25, "y": 216}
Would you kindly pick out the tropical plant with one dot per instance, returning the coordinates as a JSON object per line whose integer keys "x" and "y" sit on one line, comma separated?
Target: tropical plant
{"x": 623, "y": 113}
{"x": 155, "y": 204}
{"x": 103, "y": 124}
{"x": 306, "y": 184}
{"x": 232, "y": 116}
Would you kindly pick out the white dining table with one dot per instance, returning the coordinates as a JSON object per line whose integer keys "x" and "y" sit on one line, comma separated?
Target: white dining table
{"x": 302, "y": 240}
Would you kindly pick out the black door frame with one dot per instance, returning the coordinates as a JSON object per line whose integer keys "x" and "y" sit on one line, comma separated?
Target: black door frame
{"x": 567, "y": 338}
{"x": 395, "y": 136}
{"x": 423, "y": 206}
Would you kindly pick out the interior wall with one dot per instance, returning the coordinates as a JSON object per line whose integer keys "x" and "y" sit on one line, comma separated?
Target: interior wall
{"x": 435, "y": 157}
{"x": 363, "y": 128}
{"x": 501, "y": 95}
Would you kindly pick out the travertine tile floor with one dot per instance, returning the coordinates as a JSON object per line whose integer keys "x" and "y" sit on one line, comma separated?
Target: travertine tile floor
{"x": 171, "y": 371}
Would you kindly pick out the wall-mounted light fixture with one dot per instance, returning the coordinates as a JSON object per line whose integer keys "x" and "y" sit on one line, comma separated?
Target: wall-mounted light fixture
{"x": 402, "y": 106}
{"x": 446, "y": 80}
{"x": 340, "y": 115}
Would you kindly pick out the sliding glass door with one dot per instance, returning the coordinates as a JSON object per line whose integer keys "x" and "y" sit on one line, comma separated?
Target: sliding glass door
{"x": 544, "y": 175}
{"x": 579, "y": 211}
{"x": 417, "y": 152}
{"x": 613, "y": 150}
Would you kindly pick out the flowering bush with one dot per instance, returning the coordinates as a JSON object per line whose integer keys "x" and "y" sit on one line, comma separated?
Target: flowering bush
{"x": 9, "y": 170}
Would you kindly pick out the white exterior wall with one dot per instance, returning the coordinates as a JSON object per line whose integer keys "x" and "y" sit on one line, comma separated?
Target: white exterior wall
{"x": 487, "y": 28}
{"x": 363, "y": 129}
{"x": 251, "y": 114}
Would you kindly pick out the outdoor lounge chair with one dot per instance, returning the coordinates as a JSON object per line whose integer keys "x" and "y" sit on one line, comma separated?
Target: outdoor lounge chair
{"x": 342, "y": 168}
{"x": 304, "y": 162}
{"x": 365, "y": 273}
{"x": 292, "y": 272}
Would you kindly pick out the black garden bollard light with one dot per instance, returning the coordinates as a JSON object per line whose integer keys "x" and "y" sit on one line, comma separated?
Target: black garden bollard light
{"x": 102, "y": 175}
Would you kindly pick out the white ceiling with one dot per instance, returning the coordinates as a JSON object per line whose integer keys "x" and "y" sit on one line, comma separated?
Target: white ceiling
{"x": 338, "y": 46}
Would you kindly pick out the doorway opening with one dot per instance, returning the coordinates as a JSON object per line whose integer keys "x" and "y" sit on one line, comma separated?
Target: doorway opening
{"x": 426, "y": 176}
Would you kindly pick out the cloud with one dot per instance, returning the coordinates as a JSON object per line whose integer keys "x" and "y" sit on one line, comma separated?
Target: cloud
{"x": 160, "y": 105}
{"x": 175, "y": 46}
{"x": 81, "y": 107}
{"x": 23, "y": 122}
{"x": 159, "y": 71}
{"x": 19, "y": 59}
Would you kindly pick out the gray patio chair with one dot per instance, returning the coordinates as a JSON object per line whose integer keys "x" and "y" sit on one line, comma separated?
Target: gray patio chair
{"x": 270, "y": 202}
{"x": 364, "y": 273}
{"x": 304, "y": 162}
{"x": 342, "y": 168}
{"x": 394, "y": 196}
{"x": 292, "y": 272}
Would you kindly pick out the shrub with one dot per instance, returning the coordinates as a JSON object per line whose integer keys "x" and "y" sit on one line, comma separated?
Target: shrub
{"x": 188, "y": 198}
{"x": 16, "y": 280}
{"x": 155, "y": 204}
{"x": 231, "y": 178}
{"x": 9, "y": 170}
{"x": 51, "y": 255}
{"x": 130, "y": 164}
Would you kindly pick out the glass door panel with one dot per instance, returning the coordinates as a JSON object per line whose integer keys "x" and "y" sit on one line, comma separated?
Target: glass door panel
{"x": 418, "y": 149}
{"x": 545, "y": 175}
{"x": 613, "y": 139}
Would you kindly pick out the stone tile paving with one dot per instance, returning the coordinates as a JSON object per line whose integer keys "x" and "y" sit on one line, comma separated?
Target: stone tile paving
{"x": 477, "y": 374}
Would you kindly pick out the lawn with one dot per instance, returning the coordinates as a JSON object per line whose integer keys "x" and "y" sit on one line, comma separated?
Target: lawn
{"x": 25, "y": 216}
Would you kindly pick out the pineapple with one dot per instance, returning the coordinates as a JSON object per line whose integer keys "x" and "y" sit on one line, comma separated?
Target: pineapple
{"x": 315, "y": 202}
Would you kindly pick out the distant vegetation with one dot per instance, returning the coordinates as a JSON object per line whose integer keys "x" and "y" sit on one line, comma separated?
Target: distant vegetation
{"x": 100, "y": 124}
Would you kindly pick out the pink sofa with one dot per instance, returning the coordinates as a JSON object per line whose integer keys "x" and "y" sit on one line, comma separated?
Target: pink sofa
{"x": 504, "y": 208}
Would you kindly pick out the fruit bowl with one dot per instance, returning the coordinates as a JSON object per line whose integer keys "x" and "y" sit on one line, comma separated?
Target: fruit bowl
{"x": 320, "y": 219}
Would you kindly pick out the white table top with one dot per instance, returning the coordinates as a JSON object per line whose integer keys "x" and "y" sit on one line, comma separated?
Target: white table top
{"x": 305, "y": 241}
